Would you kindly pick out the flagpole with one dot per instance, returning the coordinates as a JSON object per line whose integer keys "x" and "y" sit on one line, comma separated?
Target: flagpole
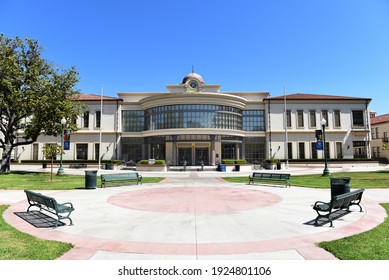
{"x": 101, "y": 124}
{"x": 286, "y": 132}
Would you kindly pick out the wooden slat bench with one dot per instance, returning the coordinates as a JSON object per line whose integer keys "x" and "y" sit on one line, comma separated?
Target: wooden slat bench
{"x": 49, "y": 204}
{"x": 133, "y": 176}
{"x": 338, "y": 202}
{"x": 280, "y": 177}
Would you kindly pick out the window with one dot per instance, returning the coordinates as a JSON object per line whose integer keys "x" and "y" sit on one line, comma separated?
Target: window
{"x": 360, "y": 150}
{"x": 373, "y": 133}
{"x": 86, "y": 119}
{"x": 339, "y": 150}
{"x": 378, "y": 152}
{"x": 254, "y": 149}
{"x": 253, "y": 120}
{"x": 133, "y": 120}
{"x": 324, "y": 114}
{"x": 337, "y": 118}
{"x": 97, "y": 151}
{"x": 300, "y": 118}
{"x": 313, "y": 150}
{"x": 377, "y": 133}
{"x": 290, "y": 151}
{"x": 301, "y": 150}
{"x": 386, "y": 137}
{"x": 81, "y": 151}
{"x": 358, "y": 118}
{"x": 288, "y": 118}
{"x": 98, "y": 118}
{"x": 312, "y": 118}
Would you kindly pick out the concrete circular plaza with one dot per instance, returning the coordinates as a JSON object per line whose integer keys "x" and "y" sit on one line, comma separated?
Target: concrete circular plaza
{"x": 198, "y": 215}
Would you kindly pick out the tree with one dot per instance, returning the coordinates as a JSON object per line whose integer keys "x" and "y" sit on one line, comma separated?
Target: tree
{"x": 50, "y": 151}
{"x": 34, "y": 96}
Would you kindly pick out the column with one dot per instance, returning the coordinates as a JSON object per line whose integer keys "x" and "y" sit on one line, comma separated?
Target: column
{"x": 174, "y": 156}
{"x": 237, "y": 149}
{"x": 213, "y": 152}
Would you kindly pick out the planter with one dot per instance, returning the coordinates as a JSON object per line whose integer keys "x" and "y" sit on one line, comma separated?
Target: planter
{"x": 152, "y": 167}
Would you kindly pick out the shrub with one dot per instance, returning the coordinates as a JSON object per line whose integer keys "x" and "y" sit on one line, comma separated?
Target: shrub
{"x": 157, "y": 161}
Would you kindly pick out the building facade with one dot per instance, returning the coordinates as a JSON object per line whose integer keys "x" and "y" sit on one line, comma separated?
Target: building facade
{"x": 194, "y": 123}
{"x": 380, "y": 136}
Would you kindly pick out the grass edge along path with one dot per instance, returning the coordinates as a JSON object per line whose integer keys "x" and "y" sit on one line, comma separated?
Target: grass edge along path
{"x": 41, "y": 181}
{"x": 369, "y": 245}
{"x": 372, "y": 179}
{"x": 17, "y": 245}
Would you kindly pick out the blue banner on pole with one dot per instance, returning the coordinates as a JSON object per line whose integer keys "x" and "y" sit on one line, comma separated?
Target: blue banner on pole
{"x": 319, "y": 146}
{"x": 66, "y": 145}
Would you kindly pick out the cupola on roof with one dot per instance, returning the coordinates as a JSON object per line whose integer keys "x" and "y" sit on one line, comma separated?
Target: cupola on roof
{"x": 193, "y": 75}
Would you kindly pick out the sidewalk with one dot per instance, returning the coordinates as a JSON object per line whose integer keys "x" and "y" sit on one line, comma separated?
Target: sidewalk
{"x": 197, "y": 215}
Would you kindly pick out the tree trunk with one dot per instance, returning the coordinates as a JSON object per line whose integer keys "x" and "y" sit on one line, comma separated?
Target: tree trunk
{"x": 6, "y": 160}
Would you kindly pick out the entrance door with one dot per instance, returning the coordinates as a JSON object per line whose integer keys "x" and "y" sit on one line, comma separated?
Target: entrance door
{"x": 202, "y": 154}
{"x": 185, "y": 154}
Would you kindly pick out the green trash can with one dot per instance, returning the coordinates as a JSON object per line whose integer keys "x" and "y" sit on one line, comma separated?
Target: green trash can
{"x": 340, "y": 185}
{"x": 107, "y": 165}
{"x": 90, "y": 179}
{"x": 237, "y": 167}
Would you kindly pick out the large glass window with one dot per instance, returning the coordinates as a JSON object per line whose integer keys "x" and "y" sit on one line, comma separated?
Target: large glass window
{"x": 228, "y": 151}
{"x": 254, "y": 120}
{"x": 132, "y": 121}
{"x": 131, "y": 149}
{"x": 254, "y": 149}
{"x": 193, "y": 116}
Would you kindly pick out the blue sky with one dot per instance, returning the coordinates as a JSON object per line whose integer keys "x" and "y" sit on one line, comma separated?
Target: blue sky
{"x": 335, "y": 47}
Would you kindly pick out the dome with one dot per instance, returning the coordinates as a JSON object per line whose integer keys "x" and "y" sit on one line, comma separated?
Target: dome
{"x": 193, "y": 76}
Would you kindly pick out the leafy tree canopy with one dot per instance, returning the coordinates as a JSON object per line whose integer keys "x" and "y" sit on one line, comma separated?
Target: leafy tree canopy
{"x": 34, "y": 95}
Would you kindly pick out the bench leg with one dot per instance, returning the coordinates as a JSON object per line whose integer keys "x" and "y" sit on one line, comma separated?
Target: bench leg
{"x": 324, "y": 216}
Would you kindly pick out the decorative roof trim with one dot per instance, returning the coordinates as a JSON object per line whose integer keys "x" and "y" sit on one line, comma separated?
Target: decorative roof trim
{"x": 307, "y": 96}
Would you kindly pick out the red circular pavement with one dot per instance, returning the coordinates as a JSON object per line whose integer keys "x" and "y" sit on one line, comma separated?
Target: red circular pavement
{"x": 194, "y": 200}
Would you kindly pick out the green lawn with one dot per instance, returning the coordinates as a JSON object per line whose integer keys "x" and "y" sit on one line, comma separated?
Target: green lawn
{"x": 16, "y": 245}
{"x": 41, "y": 181}
{"x": 378, "y": 179}
{"x": 370, "y": 245}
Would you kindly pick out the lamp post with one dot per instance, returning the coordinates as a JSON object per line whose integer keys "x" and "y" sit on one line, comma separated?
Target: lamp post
{"x": 60, "y": 169}
{"x": 323, "y": 123}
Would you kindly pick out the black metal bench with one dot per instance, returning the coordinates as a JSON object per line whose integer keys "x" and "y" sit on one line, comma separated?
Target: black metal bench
{"x": 49, "y": 204}
{"x": 280, "y": 177}
{"x": 338, "y": 202}
{"x": 133, "y": 176}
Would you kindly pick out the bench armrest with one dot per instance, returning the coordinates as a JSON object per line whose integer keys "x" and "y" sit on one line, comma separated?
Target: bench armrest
{"x": 69, "y": 204}
{"x": 320, "y": 202}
